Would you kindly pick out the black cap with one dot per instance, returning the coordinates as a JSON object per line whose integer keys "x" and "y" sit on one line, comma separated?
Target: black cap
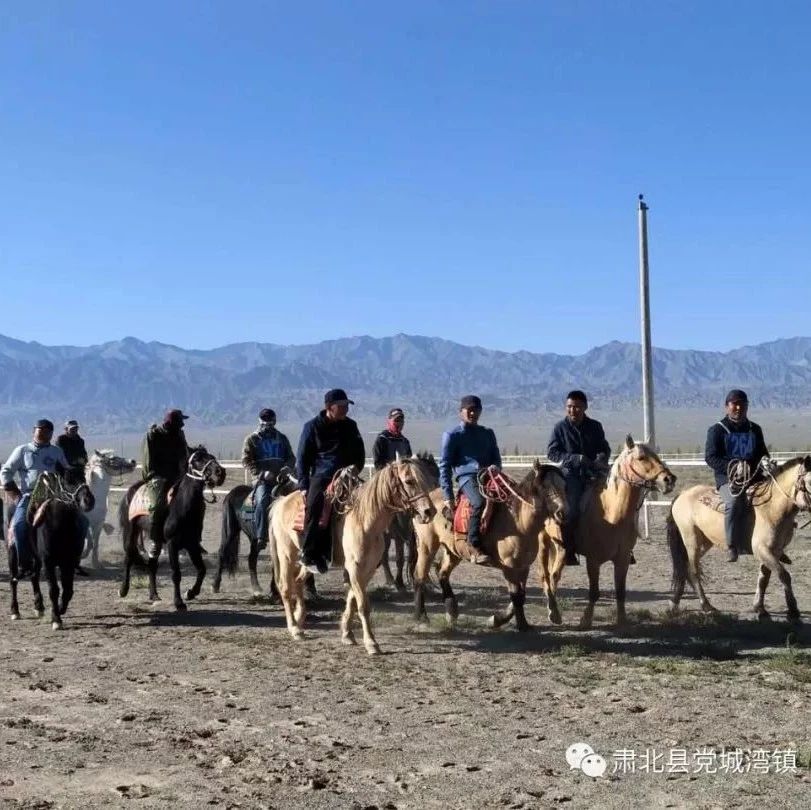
{"x": 394, "y": 413}
{"x": 470, "y": 401}
{"x": 174, "y": 416}
{"x": 44, "y": 424}
{"x": 336, "y": 396}
{"x": 267, "y": 415}
{"x": 736, "y": 395}
{"x": 71, "y": 423}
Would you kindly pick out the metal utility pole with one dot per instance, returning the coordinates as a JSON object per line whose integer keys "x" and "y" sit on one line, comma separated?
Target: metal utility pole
{"x": 644, "y": 303}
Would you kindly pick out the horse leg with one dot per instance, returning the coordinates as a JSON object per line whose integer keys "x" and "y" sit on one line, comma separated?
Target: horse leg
{"x": 792, "y": 611}
{"x": 620, "y": 578}
{"x": 425, "y": 556}
{"x": 694, "y": 576}
{"x": 347, "y": 636}
{"x": 288, "y": 590}
{"x": 53, "y": 592}
{"x": 152, "y": 570}
{"x": 196, "y": 556}
{"x": 253, "y": 556}
{"x": 449, "y": 562}
{"x": 411, "y": 565}
{"x": 384, "y": 560}
{"x": 13, "y": 572}
{"x": 762, "y": 583}
{"x": 548, "y": 581}
{"x": 66, "y": 576}
{"x": 358, "y": 581}
{"x": 399, "y": 559}
{"x": 174, "y": 562}
{"x": 593, "y": 571}
{"x": 518, "y": 597}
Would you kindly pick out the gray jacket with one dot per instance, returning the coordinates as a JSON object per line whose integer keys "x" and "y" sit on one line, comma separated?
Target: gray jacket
{"x": 29, "y": 461}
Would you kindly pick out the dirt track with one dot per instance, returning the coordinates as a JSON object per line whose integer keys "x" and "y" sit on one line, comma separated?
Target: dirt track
{"x": 134, "y": 703}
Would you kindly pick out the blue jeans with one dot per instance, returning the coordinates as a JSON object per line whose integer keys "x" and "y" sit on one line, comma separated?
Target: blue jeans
{"x": 22, "y": 537}
{"x": 471, "y": 489}
{"x": 262, "y": 497}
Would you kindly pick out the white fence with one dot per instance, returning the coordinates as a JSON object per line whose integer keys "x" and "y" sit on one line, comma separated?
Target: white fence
{"x": 522, "y": 462}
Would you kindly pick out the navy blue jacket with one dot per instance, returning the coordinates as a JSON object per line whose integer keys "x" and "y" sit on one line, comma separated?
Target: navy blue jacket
{"x": 465, "y": 450}
{"x": 327, "y": 445}
{"x": 728, "y": 440}
{"x": 569, "y": 442}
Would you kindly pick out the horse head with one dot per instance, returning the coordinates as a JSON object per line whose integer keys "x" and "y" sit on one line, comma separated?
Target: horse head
{"x": 549, "y": 487}
{"x": 639, "y": 465}
{"x": 414, "y": 486}
{"x": 83, "y": 499}
{"x": 204, "y": 467}
{"x": 429, "y": 464}
{"x": 111, "y": 463}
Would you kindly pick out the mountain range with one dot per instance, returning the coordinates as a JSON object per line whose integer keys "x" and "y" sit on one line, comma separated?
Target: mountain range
{"x": 125, "y": 384}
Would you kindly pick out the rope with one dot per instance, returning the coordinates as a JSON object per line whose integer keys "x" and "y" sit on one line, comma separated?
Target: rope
{"x": 344, "y": 488}
{"x": 739, "y": 476}
{"x": 495, "y": 486}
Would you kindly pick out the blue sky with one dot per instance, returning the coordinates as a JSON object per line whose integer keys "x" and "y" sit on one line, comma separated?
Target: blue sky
{"x": 204, "y": 173}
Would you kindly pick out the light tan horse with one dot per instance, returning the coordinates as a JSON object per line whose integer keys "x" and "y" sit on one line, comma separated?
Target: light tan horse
{"x": 606, "y": 531}
{"x": 401, "y": 486}
{"x": 694, "y": 528}
{"x": 511, "y": 539}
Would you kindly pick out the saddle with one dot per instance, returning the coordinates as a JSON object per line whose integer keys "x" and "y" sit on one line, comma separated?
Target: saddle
{"x": 340, "y": 490}
{"x": 145, "y": 499}
{"x": 461, "y": 515}
{"x": 714, "y": 501}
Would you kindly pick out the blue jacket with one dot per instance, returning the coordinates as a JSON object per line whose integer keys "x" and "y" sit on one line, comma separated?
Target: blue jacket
{"x": 28, "y": 461}
{"x": 728, "y": 440}
{"x": 327, "y": 445}
{"x": 569, "y": 444}
{"x": 465, "y": 450}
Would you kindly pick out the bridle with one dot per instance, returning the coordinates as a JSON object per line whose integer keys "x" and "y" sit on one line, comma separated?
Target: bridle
{"x": 202, "y": 474}
{"x": 628, "y": 473}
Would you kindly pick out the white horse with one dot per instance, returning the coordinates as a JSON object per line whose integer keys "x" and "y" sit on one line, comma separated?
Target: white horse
{"x": 102, "y": 467}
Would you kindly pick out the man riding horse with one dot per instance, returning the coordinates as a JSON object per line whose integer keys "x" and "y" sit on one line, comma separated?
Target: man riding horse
{"x": 328, "y": 443}
{"x": 466, "y": 450}
{"x": 164, "y": 455}
{"x": 734, "y": 451}
{"x": 264, "y": 453}
{"x": 28, "y": 462}
{"x": 579, "y": 445}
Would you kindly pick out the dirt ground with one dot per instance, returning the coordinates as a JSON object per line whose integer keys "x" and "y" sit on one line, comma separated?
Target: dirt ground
{"x": 134, "y": 704}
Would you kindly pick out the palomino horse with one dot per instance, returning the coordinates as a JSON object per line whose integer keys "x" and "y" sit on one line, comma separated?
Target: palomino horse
{"x": 511, "y": 540}
{"x": 401, "y": 486}
{"x": 56, "y": 535}
{"x": 182, "y": 530}
{"x": 606, "y": 531}
{"x": 103, "y": 466}
{"x": 694, "y": 528}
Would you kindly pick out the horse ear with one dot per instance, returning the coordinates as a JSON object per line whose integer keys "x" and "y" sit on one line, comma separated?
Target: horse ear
{"x": 96, "y": 451}
{"x": 536, "y": 465}
{"x": 629, "y": 442}
{"x": 807, "y": 463}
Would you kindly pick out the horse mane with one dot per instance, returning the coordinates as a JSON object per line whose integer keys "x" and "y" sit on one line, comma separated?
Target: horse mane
{"x": 378, "y": 493}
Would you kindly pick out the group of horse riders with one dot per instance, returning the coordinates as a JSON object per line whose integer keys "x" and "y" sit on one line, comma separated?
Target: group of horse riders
{"x": 735, "y": 451}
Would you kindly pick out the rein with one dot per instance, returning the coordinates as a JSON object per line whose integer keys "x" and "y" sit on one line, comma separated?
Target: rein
{"x": 496, "y": 486}
{"x": 799, "y": 488}
{"x": 638, "y": 480}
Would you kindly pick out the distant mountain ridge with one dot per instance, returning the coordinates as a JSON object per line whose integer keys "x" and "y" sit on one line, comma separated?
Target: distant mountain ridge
{"x": 125, "y": 384}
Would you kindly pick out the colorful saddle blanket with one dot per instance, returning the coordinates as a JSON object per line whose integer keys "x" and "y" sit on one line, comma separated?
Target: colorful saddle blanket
{"x": 145, "y": 499}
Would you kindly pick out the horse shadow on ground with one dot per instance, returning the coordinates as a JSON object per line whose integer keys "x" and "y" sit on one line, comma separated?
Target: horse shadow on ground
{"x": 717, "y": 637}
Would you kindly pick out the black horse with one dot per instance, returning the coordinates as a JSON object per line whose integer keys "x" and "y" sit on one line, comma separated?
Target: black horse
{"x": 58, "y": 539}
{"x": 235, "y": 522}
{"x": 182, "y": 530}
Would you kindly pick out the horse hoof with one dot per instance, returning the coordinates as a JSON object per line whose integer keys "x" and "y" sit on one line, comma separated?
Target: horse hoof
{"x": 215, "y": 587}
{"x": 348, "y": 640}
{"x": 524, "y": 628}
{"x": 15, "y": 617}
{"x": 56, "y": 625}
{"x": 122, "y": 593}
{"x": 372, "y": 649}
{"x": 40, "y": 614}
{"x": 794, "y": 618}
{"x": 181, "y": 606}
{"x": 450, "y": 619}
{"x": 764, "y": 616}
{"x": 555, "y": 618}
{"x": 190, "y": 595}
{"x": 297, "y": 635}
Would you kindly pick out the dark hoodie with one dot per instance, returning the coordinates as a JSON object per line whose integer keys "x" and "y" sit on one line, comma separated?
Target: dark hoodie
{"x": 326, "y": 446}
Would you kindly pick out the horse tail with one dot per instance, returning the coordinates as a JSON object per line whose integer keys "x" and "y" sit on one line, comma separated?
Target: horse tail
{"x": 678, "y": 553}
{"x": 231, "y": 529}
{"x": 129, "y": 535}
